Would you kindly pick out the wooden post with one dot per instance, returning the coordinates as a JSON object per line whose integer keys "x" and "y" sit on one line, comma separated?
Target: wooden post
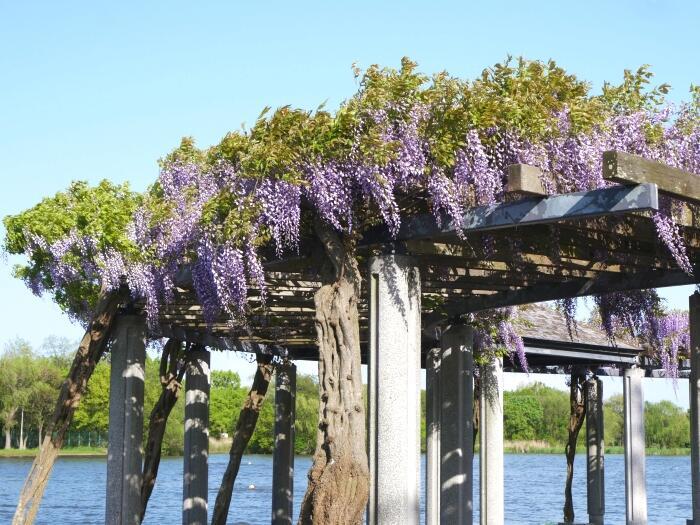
{"x": 596, "y": 451}
{"x": 126, "y": 422}
{"x": 456, "y": 426}
{"x": 432, "y": 448}
{"x": 694, "y": 392}
{"x": 196, "y": 457}
{"x": 283, "y": 454}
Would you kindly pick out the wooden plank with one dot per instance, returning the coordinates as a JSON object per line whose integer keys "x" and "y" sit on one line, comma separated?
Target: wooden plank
{"x": 534, "y": 210}
{"x": 525, "y": 179}
{"x": 625, "y": 168}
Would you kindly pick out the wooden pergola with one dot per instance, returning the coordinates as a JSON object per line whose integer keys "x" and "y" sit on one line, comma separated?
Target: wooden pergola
{"x": 420, "y": 284}
{"x": 503, "y": 258}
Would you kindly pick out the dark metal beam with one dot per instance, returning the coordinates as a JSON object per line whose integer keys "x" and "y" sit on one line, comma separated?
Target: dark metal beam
{"x": 534, "y": 210}
{"x": 579, "y": 356}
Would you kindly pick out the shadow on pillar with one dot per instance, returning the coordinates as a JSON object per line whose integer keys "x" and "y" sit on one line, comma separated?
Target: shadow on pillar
{"x": 432, "y": 445}
{"x": 595, "y": 449}
{"x": 283, "y": 454}
{"x": 456, "y": 379}
{"x": 694, "y": 393}
{"x": 492, "y": 489}
{"x": 124, "y": 452}
{"x": 394, "y": 391}
{"x": 196, "y": 453}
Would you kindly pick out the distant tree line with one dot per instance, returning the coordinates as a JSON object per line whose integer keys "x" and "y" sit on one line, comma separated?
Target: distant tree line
{"x": 30, "y": 379}
{"x": 28, "y": 386}
{"x": 538, "y": 412}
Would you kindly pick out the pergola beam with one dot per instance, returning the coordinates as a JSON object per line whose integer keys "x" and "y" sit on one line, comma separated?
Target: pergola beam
{"x": 534, "y": 210}
{"x": 550, "y": 292}
{"x": 625, "y": 168}
{"x": 525, "y": 179}
{"x": 221, "y": 343}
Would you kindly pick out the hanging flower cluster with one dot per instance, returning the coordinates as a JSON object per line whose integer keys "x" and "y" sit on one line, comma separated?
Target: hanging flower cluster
{"x": 496, "y": 333}
{"x": 672, "y": 337}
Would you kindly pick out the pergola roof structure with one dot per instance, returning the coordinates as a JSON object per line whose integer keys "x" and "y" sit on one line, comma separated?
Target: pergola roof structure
{"x": 500, "y": 255}
{"x": 551, "y": 349}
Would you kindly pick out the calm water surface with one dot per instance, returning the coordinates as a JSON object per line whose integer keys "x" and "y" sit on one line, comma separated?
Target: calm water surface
{"x": 534, "y": 489}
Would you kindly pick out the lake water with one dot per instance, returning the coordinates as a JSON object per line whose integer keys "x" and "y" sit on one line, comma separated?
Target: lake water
{"x": 534, "y": 489}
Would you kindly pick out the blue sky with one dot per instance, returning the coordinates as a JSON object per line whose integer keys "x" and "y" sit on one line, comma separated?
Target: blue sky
{"x": 93, "y": 90}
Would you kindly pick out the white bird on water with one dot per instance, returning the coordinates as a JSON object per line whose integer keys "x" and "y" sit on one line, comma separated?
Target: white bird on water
{"x": 251, "y": 487}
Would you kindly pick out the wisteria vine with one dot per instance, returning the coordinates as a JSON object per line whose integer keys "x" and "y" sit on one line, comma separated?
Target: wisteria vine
{"x": 400, "y": 143}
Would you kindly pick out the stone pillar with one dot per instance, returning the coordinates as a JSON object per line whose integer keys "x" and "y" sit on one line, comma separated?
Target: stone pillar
{"x": 596, "y": 451}
{"x": 124, "y": 449}
{"x": 694, "y": 391}
{"x": 456, "y": 426}
{"x": 394, "y": 391}
{"x": 491, "y": 439}
{"x": 635, "y": 454}
{"x": 196, "y": 461}
{"x": 283, "y": 455}
{"x": 432, "y": 448}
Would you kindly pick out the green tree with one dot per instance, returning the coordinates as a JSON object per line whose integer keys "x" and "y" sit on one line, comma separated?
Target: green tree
{"x": 666, "y": 425}
{"x": 42, "y": 395}
{"x": 263, "y": 438}
{"x": 613, "y": 414}
{"x": 522, "y": 416}
{"x": 306, "y": 423}
{"x": 59, "y": 351}
{"x": 225, "y": 401}
{"x": 93, "y": 411}
{"x": 555, "y": 406}
{"x": 225, "y": 379}
{"x": 20, "y": 373}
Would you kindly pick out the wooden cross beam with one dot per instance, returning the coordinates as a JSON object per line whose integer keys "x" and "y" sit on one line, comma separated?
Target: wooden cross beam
{"x": 632, "y": 169}
{"x": 221, "y": 343}
{"x": 524, "y": 212}
{"x": 551, "y": 291}
{"x": 524, "y": 179}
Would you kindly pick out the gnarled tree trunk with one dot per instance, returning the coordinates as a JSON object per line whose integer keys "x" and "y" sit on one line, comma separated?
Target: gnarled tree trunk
{"x": 89, "y": 352}
{"x": 245, "y": 427}
{"x": 578, "y": 412}
{"x": 339, "y": 477}
{"x": 172, "y": 370}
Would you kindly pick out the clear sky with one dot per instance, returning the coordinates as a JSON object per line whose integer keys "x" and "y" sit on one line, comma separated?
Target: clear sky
{"x": 92, "y": 90}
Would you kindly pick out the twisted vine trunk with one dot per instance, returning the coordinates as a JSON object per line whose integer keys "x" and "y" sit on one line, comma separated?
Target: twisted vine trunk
{"x": 172, "y": 370}
{"x": 339, "y": 477}
{"x": 578, "y": 412}
{"x": 247, "y": 419}
{"x": 89, "y": 353}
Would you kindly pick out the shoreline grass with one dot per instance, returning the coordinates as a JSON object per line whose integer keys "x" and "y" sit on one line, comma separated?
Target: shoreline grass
{"x": 66, "y": 452}
{"x": 222, "y": 448}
